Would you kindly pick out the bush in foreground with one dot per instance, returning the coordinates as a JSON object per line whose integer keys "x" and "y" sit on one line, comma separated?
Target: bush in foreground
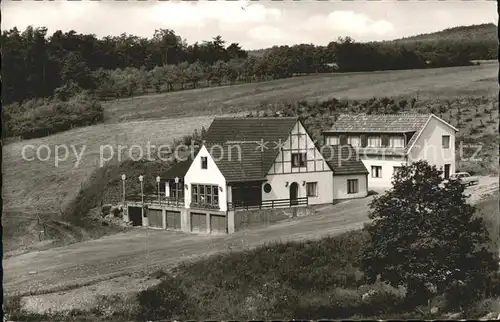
{"x": 425, "y": 237}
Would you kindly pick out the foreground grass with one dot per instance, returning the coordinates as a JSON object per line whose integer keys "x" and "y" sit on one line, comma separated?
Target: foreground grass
{"x": 303, "y": 280}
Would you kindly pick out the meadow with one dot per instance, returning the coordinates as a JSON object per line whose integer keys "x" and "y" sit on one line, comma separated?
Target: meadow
{"x": 40, "y": 189}
{"x": 440, "y": 83}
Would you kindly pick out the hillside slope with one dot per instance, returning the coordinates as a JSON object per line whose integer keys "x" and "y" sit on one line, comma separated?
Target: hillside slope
{"x": 34, "y": 187}
{"x": 482, "y": 32}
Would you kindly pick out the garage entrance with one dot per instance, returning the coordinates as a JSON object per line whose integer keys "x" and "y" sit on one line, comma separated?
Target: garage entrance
{"x": 218, "y": 224}
{"x": 173, "y": 220}
{"x": 155, "y": 218}
{"x": 135, "y": 215}
{"x": 198, "y": 222}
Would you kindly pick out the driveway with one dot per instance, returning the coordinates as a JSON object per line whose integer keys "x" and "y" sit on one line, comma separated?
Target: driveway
{"x": 144, "y": 250}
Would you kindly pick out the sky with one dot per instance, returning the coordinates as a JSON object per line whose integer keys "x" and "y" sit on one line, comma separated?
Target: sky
{"x": 252, "y": 24}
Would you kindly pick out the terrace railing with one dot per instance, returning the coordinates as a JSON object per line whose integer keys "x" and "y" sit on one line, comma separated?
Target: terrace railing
{"x": 154, "y": 199}
{"x": 266, "y": 204}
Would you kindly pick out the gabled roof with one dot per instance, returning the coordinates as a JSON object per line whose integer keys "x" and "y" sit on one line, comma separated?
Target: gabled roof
{"x": 385, "y": 123}
{"x": 343, "y": 159}
{"x": 251, "y": 133}
{"x": 381, "y": 123}
{"x": 177, "y": 170}
{"x": 238, "y": 162}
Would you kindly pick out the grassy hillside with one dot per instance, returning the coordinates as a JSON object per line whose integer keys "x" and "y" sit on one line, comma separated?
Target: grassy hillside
{"x": 483, "y": 32}
{"x": 442, "y": 83}
{"x": 41, "y": 187}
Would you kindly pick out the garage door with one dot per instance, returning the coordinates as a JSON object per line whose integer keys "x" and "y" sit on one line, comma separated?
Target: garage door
{"x": 198, "y": 222}
{"x": 174, "y": 220}
{"x": 155, "y": 218}
{"x": 218, "y": 224}
{"x": 135, "y": 215}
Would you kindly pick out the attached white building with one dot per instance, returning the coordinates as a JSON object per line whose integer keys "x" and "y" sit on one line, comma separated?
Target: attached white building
{"x": 263, "y": 160}
{"x": 251, "y": 163}
{"x": 385, "y": 142}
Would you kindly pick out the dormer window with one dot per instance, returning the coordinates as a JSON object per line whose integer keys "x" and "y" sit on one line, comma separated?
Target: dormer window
{"x": 397, "y": 141}
{"x": 204, "y": 162}
{"x": 354, "y": 140}
{"x": 333, "y": 140}
{"x": 374, "y": 141}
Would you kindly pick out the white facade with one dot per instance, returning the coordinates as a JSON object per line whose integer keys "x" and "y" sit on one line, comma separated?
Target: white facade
{"x": 281, "y": 184}
{"x": 429, "y": 145}
{"x": 315, "y": 170}
{"x": 209, "y": 176}
{"x": 387, "y": 165}
{"x": 340, "y": 186}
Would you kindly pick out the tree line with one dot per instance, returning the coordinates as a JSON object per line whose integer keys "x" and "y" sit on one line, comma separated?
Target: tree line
{"x": 38, "y": 65}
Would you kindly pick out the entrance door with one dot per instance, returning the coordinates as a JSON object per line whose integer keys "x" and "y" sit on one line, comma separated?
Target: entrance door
{"x": 135, "y": 215}
{"x": 294, "y": 192}
{"x": 446, "y": 171}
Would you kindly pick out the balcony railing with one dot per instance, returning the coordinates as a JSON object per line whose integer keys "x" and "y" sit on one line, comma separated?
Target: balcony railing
{"x": 266, "y": 204}
{"x": 204, "y": 205}
{"x": 154, "y": 199}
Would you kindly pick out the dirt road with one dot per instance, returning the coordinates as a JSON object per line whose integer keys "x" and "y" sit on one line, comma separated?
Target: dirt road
{"x": 145, "y": 249}
{"x": 142, "y": 251}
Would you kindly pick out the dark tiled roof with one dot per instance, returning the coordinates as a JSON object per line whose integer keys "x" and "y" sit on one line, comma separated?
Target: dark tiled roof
{"x": 177, "y": 170}
{"x": 388, "y": 123}
{"x": 249, "y": 132}
{"x": 238, "y": 162}
{"x": 343, "y": 159}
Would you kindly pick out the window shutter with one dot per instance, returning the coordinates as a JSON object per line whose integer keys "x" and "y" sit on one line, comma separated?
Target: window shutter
{"x": 343, "y": 139}
{"x": 385, "y": 140}
{"x": 364, "y": 140}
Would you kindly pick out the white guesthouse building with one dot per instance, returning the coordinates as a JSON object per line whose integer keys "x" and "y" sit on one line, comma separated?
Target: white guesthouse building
{"x": 257, "y": 160}
{"x": 385, "y": 142}
{"x": 255, "y": 163}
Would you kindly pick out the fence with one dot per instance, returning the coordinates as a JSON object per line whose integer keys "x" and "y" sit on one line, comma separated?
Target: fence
{"x": 158, "y": 200}
{"x": 276, "y": 203}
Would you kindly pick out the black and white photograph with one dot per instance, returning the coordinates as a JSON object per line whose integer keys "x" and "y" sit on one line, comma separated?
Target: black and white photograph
{"x": 250, "y": 160}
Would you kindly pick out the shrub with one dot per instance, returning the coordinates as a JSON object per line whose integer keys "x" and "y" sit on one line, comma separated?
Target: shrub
{"x": 40, "y": 118}
{"x": 425, "y": 237}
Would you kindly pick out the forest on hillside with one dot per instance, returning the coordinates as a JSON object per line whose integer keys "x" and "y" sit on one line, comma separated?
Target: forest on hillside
{"x": 36, "y": 64}
{"x": 52, "y": 83}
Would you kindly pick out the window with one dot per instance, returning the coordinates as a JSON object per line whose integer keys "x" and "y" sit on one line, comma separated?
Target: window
{"x": 267, "y": 188}
{"x": 176, "y": 190}
{"x": 194, "y": 193}
{"x": 352, "y": 185}
{"x": 312, "y": 189}
{"x": 446, "y": 141}
{"x": 333, "y": 140}
{"x": 205, "y": 194}
{"x": 299, "y": 160}
{"x": 354, "y": 141}
{"x": 396, "y": 170}
{"x": 376, "y": 171}
{"x": 397, "y": 142}
{"x": 204, "y": 162}
{"x": 374, "y": 141}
